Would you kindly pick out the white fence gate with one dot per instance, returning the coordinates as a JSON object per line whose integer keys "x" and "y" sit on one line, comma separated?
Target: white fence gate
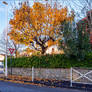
{"x": 80, "y": 75}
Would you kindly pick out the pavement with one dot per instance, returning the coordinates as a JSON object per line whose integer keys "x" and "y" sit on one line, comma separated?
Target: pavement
{"x": 15, "y": 87}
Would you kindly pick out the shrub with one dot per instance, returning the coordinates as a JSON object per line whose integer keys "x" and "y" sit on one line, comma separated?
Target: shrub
{"x": 50, "y": 61}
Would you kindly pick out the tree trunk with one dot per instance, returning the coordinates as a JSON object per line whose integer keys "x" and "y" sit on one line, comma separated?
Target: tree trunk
{"x": 43, "y": 50}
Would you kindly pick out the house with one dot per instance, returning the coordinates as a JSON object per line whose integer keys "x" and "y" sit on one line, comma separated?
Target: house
{"x": 25, "y": 53}
{"x": 28, "y": 52}
{"x": 2, "y": 56}
{"x": 53, "y": 47}
{"x": 54, "y": 50}
{"x": 88, "y": 21}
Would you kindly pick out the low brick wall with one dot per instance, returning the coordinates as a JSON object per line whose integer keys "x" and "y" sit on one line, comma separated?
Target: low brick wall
{"x": 42, "y": 73}
{"x": 54, "y": 74}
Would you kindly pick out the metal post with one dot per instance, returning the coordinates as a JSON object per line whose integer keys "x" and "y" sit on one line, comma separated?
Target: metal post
{"x": 11, "y": 64}
{"x": 32, "y": 74}
{"x": 71, "y": 77}
{"x": 6, "y": 73}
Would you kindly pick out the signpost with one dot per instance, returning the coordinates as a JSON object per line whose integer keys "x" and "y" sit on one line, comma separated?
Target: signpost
{"x": 11, "y": 50}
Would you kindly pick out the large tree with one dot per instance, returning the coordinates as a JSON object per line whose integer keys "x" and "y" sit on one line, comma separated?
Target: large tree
{"x": 69, "y": 41}
{"x": 38, "y": 24}
{"x": 75, "y": 42}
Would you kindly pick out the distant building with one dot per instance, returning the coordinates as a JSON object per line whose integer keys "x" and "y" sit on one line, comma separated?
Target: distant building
{"x": 28, "y": 53}
{"x": 54, "y": 50}
{"x": 25, "y": 53}
{"x": 2, "y": 56}
{"x": 88, "y": 21}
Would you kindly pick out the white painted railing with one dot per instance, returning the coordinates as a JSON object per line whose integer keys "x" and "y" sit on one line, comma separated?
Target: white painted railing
{"x": 32, "y": 74}
{"x": 81, "y": 75}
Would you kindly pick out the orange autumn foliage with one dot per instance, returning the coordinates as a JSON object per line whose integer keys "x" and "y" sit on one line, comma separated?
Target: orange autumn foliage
{"x": 37, "y": 25}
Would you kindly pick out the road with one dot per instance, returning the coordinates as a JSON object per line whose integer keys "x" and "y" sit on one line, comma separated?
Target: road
{"x": 14, "y": 87}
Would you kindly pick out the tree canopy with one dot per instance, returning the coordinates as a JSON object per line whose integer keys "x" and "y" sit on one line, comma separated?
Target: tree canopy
{"x": 38, "y": 24}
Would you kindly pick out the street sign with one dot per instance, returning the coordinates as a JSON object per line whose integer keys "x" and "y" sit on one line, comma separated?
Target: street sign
{"x": 11, "y": 50}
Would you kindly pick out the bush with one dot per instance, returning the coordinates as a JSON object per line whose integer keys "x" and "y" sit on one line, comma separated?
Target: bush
{"x": 50, "y": 61}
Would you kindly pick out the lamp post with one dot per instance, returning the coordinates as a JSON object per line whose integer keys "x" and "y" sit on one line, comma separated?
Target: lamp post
{"x": 6, "y": 73}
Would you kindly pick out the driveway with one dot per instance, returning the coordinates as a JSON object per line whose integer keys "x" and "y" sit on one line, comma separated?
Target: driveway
{"x": 14, "y": 87}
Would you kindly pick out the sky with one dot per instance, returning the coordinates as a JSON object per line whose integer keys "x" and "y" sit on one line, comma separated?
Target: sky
{"x": 3, "y": 14}
{"x": 73, "y": 4}
{"x": 2, "y": 18}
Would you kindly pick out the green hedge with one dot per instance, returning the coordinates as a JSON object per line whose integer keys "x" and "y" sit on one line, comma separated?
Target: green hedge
{"x": 50, "y": 61}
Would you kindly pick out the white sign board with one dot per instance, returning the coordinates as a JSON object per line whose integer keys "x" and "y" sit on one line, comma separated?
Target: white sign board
{"x": 1, "y": 57}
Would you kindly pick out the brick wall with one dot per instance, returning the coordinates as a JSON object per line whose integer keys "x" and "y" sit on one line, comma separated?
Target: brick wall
{"x": 42, "y": 73}
{"x": 54, "y": 74}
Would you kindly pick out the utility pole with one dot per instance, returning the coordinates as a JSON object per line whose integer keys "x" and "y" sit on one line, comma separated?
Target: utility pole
{"x": 6, "y": 71}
